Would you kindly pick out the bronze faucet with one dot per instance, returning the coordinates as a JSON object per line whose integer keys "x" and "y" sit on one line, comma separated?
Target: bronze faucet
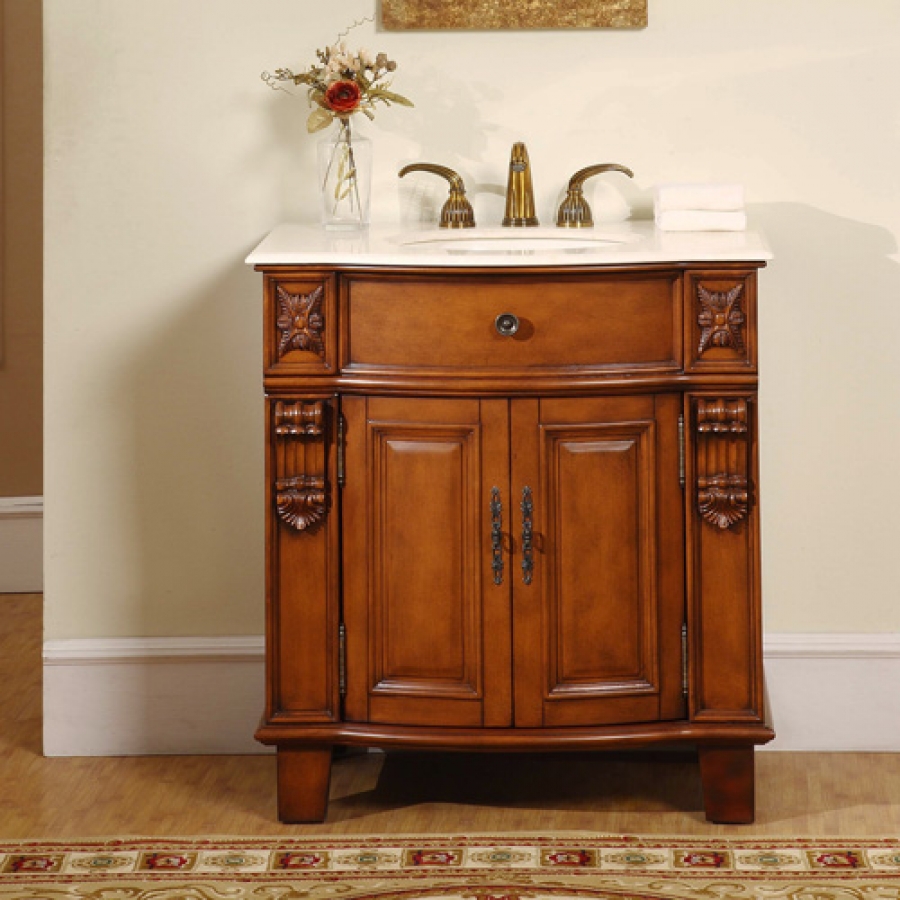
{"x": 456, "y": 212}
{"x": 519, "y": 190}
{"x": 574, "y": 211}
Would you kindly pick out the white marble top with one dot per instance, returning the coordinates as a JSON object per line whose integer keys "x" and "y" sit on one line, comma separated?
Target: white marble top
{"x": 620, "y": 243}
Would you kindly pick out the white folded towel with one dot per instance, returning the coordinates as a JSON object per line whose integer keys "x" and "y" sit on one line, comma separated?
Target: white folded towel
{"x": 718, "y": 197}
{"x": 700, "y": 220}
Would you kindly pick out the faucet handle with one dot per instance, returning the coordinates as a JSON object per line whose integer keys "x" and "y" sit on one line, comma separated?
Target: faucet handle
{"x": 456, "y": 212}
{"x": 574, "y": 211}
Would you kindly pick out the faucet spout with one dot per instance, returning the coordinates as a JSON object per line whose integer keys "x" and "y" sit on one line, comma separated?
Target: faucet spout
{"x": 519, "y": 190}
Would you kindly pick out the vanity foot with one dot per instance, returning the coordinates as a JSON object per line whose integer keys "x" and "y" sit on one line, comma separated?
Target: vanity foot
{"x": 304, "y": 777}
{"x": 728, "y": 784}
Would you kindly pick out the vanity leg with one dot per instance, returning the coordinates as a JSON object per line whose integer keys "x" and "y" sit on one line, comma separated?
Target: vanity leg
{"x": 304, "y": 776}
{"x": 728, "y": 783}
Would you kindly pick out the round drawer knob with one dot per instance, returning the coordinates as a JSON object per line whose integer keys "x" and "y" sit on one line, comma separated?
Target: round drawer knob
{"x": 506, "y": 324}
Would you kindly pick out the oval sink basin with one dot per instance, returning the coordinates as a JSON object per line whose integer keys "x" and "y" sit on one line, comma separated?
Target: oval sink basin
{"x": 514, "y": 241}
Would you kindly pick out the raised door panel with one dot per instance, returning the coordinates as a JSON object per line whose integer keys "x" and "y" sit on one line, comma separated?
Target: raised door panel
{"x": 419, "y": 592}
{"x": 598, "y": 628}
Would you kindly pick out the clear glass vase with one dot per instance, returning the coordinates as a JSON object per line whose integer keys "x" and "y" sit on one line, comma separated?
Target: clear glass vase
{"x": 345, "y": 178}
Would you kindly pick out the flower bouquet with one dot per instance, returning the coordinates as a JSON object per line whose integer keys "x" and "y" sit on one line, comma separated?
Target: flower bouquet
{"x": 339, "y": 85}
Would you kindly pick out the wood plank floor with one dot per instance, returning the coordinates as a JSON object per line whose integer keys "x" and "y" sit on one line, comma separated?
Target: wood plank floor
{"x": 798, "y": 793}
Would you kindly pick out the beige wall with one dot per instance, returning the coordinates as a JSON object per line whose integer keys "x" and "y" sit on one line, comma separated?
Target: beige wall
{"x": 20, "y": 253}
{"x": 167, "y": 159}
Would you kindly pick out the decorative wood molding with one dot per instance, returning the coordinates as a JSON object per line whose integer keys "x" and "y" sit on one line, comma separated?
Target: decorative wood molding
{"x": 722, "y": 416}
{"x": 303, "y": 418}
{"x": 721, "y": 318}
{"x": 300, "y": 500}
{"x": 300, "y": 491}
{"x": 300, "y": 322}
{"x": 723, "y": 486}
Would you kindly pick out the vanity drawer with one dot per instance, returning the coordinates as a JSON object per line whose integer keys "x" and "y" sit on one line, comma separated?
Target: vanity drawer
{"x": 592, "y": 322}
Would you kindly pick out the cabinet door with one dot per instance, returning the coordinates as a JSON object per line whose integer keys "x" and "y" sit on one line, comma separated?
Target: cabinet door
{"x": 597, "y": 631}
{"x": 427, "y": 628}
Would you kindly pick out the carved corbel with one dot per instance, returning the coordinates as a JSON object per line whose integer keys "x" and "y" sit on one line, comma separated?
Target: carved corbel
{"x": 723, "y": 454}
{"x": 299, "y": 419}
{"x": 301, "y": 499}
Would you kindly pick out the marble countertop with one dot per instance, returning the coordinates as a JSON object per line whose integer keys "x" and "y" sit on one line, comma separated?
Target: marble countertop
{"x": 620, "y": 243}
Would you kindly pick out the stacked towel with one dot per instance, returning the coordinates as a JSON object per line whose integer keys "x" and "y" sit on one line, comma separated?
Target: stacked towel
{"x": 700, "y": 207}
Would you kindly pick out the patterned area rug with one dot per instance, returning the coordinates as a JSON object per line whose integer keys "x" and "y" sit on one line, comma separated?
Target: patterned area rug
{"x": 512, "y": 867}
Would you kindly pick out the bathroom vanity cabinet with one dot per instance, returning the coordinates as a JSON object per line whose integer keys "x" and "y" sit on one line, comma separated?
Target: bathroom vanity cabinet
{"x": 512, "y": 507}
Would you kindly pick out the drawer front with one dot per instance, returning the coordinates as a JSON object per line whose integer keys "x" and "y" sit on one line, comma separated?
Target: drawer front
{"x": 600, "y": 322}
{"x": 301, "y": 326}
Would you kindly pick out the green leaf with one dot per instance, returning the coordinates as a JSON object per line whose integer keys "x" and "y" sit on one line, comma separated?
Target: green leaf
{"x": 318, "y": 119}
{"x": 391, "y": 97}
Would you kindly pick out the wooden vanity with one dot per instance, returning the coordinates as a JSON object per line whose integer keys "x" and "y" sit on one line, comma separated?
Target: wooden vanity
{"x": 512, "y": 507}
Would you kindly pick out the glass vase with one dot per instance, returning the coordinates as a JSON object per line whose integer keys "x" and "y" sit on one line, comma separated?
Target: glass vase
{"x": 345, "y": 178}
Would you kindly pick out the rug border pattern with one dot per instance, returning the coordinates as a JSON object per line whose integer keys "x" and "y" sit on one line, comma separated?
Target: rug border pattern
{"x": 473, "y": 857}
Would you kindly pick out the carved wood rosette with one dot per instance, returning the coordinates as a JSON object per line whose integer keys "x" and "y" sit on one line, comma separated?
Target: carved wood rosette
{"x": 301, "y": 498}
{"x": 300, "y": 321}
{"x": 723, "y": 456}
{"x": 721, "y": 318}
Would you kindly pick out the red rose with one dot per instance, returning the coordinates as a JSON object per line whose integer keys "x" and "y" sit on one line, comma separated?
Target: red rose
{"x": 342, "y": 96}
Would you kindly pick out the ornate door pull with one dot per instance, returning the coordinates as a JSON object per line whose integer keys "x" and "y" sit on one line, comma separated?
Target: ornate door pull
{"x": 496, "y": 536}
{"x": 527, "y": 506}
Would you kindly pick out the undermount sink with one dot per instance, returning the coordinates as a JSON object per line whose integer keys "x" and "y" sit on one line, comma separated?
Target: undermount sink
{"x": 492, "y": 241}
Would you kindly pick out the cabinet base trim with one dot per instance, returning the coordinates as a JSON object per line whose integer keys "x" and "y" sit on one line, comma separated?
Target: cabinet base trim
{"x": 509, "y": 739}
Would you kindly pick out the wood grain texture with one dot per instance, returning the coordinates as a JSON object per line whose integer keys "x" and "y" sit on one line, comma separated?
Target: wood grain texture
{"x": 595, "y": 473}
{"x": 432, "y": 324}
{"x": 723, "y": 568}
{"x": 727, "y": 774}
{"x": 512, "y": 14}
{"x": 573, "y": 418}
{"x": 304, "y": 780}
{"x": 301, "y": 592}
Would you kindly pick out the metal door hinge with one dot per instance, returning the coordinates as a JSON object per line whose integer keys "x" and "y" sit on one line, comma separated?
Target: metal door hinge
{"x": 684, "y": 660}
{"x": 681, "y": 450}
{"x": 342, "y": 660}
{"x": 341, "y": 474}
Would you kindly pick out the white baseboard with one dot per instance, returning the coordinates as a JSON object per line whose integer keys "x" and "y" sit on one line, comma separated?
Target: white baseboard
{"x": 834, "y": 691}
{"x": 21, "y": 545}
{"x": 140, "y": 696}
{"x": 205, "y": 695}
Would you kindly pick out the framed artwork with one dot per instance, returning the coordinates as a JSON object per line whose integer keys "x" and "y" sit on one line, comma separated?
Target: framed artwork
{"x": 400, "y": 15}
